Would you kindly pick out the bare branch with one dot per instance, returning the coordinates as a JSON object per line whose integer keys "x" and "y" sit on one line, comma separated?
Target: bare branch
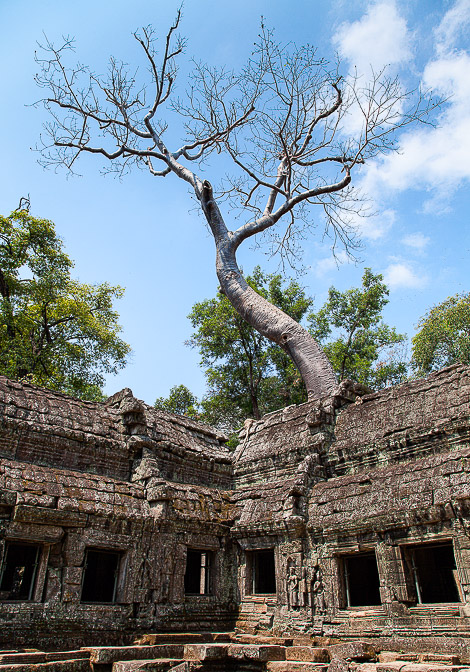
{"x": 294, "y": 129}
{"x": 266, "y": 221}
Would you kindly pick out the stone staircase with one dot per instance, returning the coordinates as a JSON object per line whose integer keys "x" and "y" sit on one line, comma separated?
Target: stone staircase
{"x": 229, "y": 652}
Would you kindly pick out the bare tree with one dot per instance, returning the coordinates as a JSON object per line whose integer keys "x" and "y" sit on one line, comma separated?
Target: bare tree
{"x": 283, "y": 121}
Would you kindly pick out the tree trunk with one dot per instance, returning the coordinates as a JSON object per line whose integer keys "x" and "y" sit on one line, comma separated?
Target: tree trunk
{"x": 315, "y": 369}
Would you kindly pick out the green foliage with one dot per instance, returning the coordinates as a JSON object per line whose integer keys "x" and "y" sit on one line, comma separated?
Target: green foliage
{"x": 54, "y": 331}
{"x": 247, "y": 375}
{"x": 355, "y": 339}
{"x": 444, "y": 335}
{"x": 180, "y": 401}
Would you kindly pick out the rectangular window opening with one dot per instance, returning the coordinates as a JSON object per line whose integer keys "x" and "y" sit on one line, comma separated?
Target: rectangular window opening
{"x": 19, "y": 571}
{"x": 100, "y": 576}
{"x": 263, "y": 572}
{"x": 361, "y": 580}
{"x": 432, "y": 572}
{"x": 197, "y": 578}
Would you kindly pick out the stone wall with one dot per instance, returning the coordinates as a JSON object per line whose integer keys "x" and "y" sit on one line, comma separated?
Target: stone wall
{"x": 346, "y": 517}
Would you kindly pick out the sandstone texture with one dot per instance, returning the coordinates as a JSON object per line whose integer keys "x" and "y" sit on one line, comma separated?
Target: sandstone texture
{"x": 336, "y": 537}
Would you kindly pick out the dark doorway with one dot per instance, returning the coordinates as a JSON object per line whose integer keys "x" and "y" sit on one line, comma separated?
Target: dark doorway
{"x": 263, "y": 572}
{"x": 433, "y": 573}
{"x": 197, "y": 578}
{"x": 362, "y": 580}
{"x": 19, "y": 571}
{"x": 100, "y": 576}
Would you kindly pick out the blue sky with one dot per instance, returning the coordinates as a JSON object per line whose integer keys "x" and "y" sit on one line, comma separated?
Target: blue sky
{"x": 141, "y": 233}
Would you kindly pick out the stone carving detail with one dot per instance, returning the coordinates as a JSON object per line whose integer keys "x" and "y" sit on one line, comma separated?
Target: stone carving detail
{"x": 304, "y": 593}
{"x": 318, "y": 593}
{"x": 292, "y": 586}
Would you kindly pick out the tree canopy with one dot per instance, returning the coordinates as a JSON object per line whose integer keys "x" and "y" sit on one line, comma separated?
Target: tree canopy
{"x": 180, "y": 401}
{"x": 359, "y": 345}
{"x": 295, "y": 129}
{"x": 444, "y": 335}
{"x": 54, "y": 331}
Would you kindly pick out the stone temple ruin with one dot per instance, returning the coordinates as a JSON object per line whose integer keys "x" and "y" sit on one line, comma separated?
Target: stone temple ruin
{"x": 336, "y": 535}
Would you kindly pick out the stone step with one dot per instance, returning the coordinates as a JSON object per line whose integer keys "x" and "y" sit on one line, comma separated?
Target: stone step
{"x": 303, "y": 640}
{"x": 219, "y": 651}
{"x": 352, "y": 651}
{"x": 405, "y": 666}
{"x": 258, "y": 652}
{"x": 160, "y": 665}
{"x": 81, "y": 665}
{"x": 295, "y": 666}
{"x": 34, "y": 657}
{"x": 211, "y": 651}
{"x": 442, "y": 658}
{"x": 307, "y": 654}
{"x": 105, "y": 655}
{"x": 182, "y": 637}
{"x": 262, "y": 639}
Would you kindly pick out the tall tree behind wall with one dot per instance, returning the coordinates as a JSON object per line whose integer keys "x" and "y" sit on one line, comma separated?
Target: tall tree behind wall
{"x": 443, "y": 336}
{"x": 356, "y": 340}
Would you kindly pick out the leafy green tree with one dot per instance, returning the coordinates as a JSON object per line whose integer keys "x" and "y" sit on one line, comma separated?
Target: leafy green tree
{"x": 180, "y": 401}
{"x": 444, "y": 335}
{"x": 54, "y": 331}
{"x": 246, "y": 374}
{"x": 359, "y": 345}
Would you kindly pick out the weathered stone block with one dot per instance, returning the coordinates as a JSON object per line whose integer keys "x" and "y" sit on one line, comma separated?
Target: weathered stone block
{"x": 62, "y": 666}
{"x": 105, "y": 655}
{"x": 443, "y": 658}
{"x": 295, "y": 666}
{"x": 307, "y": 653}
{"x": 262, "y": 652}
{"x": 352, "y": 651}
{"x": 205, "y": 651}
{"x": 388, "y": 656}
{"x": 150, "y": 666}
{"x": 400, "y": 666}
{"x": 338, "y": 665}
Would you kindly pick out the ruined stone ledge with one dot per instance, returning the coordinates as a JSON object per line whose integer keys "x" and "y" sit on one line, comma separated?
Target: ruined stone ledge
{"x": 105, "y": 655}
{"x": 70, "y": 665}
{"x": 161, "y": 665}
{"x": 45, "y": 516}
{"x": 295, "y": 666}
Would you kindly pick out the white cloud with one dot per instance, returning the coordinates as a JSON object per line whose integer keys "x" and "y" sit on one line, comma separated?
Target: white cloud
{"x": 378, "y": 39}
{"x": 418, "y": 241}
{"x": 329, "y": 264}
{"x": 375, "y": 226}
{"x": 400, "y": 275}
{"x": 453, "y": 24}
{"x": 435, "y": 159}
{"x": 448, "y": 76}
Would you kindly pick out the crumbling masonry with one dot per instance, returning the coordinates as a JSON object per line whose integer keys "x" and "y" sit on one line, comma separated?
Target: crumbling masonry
{"x": 343, "y": 519}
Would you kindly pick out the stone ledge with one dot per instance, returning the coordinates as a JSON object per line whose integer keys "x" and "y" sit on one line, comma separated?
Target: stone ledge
{"x": 105, "y": 655}
{"x": 295, "y": 666}
{"x": 161, "y": 665}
